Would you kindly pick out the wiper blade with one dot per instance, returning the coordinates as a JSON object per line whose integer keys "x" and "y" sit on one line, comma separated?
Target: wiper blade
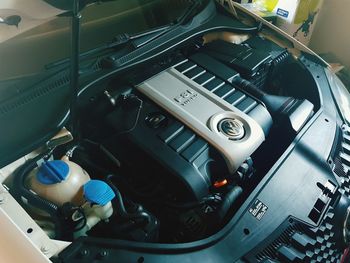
{"x": 143, "y": 38}
{"x": 118, "y": 41}
{"x": 189, "y": 12}
{"x": 146, "y": 37}
{"x": 136, "y": 40}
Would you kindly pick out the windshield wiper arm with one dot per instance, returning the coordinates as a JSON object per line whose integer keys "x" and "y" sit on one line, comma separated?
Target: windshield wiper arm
{"x": 146, "y": 37}
{"x": 119, "y": 40}
{"x": 188, "y": 13}
{"x": 137, "y": 40}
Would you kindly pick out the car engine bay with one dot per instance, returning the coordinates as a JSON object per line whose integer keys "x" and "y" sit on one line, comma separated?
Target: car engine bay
{"x": 168, "y": 153}
{"x": 215, "y": 138}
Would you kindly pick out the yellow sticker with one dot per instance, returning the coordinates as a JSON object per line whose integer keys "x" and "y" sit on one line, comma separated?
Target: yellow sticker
{"x": 270, "y": 4}
{"x": 305, "y": 9}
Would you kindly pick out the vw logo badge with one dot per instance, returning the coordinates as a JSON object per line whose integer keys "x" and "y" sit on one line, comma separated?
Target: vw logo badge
{"x": 232, "y": 128}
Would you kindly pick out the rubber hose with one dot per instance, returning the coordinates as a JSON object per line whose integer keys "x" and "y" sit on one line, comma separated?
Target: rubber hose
{"x": 229, "y": 200}
{"x": 120, "y": 204}
{"x": 19, "y": 190}
{"x": 274, "y": 104}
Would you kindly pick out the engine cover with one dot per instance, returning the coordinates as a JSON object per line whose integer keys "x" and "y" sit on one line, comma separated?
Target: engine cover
{"x": 232, "y": 132}
{"x": 193, "y": 129}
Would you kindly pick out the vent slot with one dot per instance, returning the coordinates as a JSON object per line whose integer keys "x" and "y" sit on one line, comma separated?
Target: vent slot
{"x": 298, "y": 242}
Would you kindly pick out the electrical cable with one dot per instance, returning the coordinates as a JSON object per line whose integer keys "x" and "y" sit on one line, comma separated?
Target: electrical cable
{"x": 19, "y": 191}
{"x": 132, "y": 97}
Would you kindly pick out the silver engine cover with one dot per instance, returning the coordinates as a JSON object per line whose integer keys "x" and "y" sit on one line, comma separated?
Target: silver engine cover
{"x": 232, "y": 132}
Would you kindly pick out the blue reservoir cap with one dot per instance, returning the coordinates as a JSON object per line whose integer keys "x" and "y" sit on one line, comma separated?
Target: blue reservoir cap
{"x": 52, "y": 172}
{"x": 98, "y": 192}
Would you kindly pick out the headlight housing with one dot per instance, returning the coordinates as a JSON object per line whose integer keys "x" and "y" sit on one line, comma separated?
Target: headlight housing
{"x": 341, "y": 94}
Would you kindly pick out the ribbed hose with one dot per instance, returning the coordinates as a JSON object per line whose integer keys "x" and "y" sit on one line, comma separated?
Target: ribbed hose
{"x": 274, "y": 104}
{"x": 19, "y": 191}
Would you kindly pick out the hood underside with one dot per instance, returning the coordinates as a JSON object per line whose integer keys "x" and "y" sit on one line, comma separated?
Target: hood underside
{"x": 28, "y": 14}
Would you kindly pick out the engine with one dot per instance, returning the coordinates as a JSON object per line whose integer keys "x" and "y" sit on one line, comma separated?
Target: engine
{"x": 169, "y": 154}
{"x": 197, "y": 148}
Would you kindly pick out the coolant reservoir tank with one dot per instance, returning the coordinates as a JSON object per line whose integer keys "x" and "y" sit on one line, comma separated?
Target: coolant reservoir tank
{"x": 59, "y": 181}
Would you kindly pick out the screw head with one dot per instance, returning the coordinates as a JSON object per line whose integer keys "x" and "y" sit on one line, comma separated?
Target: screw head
{"x": 2, "y": 198}
{"x": 103, "y": 253}
{"x": 44, "y": 249}
{"x": 84, "y": 252}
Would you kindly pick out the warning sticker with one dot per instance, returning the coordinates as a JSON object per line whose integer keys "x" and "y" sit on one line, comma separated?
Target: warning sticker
{"x": 258, "y": 209}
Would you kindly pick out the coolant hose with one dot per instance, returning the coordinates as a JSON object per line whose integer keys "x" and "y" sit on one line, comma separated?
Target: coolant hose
{"x": 19, "y": 191}
{"x": 229, "y": 200}
{"x": 120, "y": 204}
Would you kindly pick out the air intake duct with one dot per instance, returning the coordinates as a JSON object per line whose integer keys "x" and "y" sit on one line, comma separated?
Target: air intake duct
{"x": 294, "y": 112}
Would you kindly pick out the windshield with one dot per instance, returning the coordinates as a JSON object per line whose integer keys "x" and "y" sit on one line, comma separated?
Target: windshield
{"x": 29, "y": 52}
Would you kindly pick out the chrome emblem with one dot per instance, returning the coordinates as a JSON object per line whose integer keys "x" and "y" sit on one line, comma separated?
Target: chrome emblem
{"x": 232, "y": 128}
{"x": 186, "y": 97}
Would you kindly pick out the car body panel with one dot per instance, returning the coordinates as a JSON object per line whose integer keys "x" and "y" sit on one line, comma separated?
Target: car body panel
{"x": 19, "y": 222}
{"x": 32, "y": 12}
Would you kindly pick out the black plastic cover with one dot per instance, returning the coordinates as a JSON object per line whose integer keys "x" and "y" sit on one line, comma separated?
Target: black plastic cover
{"x": 169, "y": 150}
{"x": 244, "y": 59}
{"x": 254, "y": 59}
{"x": 30, "y": 116}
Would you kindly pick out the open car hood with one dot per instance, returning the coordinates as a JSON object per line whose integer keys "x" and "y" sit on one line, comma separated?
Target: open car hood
{"x": 18, "y": 16}
{"x": 23, "y": 16}
{"x": 173, "y": 116}
{"x": 20, "y": 110}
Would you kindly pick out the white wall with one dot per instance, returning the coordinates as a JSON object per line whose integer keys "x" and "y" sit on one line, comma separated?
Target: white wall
{"x": 332, "y": 31}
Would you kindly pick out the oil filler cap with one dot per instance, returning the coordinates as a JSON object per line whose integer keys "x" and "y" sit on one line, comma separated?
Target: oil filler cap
{"x": 98, "y": 192}
{"x": 52, "y": 172}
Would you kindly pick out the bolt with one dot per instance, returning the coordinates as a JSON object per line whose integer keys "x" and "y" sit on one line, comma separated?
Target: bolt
{"x": 2, "y": 198}
{"x": 84, "y": 252}
{"x": 44, "y": 249}
{"x": 103, "y": 253}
